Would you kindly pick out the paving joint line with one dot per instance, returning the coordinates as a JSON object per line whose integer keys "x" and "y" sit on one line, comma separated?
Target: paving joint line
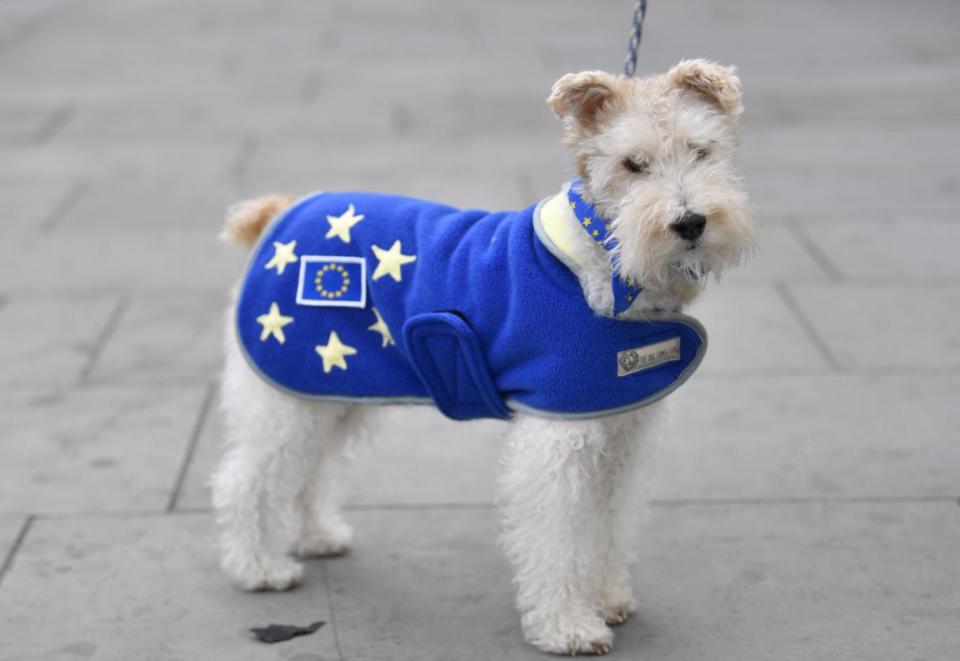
{"x": 53, "y": 123}
{"x": 59, "y": 211}
{"x": 192, "y": 445}
{"x": 106, "y": 333}
{"x": 17, "y": 543}
{"x": 813, "y": 250}
{"x": 808, "y": 327}
{"x": 424, "y": 507}
{"x": 333, "y": 614}
{"x": 33, "y": 25}
{"x": 800, "y": 500}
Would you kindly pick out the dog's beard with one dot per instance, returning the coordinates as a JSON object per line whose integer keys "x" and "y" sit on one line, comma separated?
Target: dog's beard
{"x": 650, "y": 254}
{"x": 656, "y": 259}
{"x": 691, "y": 268}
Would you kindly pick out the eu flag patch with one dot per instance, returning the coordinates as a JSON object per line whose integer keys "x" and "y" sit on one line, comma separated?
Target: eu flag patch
{"x": 332, "y": 280}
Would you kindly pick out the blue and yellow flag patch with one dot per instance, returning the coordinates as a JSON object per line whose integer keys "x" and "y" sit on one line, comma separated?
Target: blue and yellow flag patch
{"x": 332, "y": 280}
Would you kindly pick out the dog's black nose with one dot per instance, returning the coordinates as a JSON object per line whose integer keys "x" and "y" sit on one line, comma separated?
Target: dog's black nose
{"x": 690, "y": 226}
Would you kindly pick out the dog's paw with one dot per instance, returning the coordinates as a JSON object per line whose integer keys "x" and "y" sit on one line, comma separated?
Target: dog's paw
{"x": 279, "y": 574}
{"x": 568, "y": 633}
{"x": 615, "y": 613}
{"x": 327, "y": 542}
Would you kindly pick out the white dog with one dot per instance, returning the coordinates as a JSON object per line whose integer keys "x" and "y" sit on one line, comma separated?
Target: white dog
{"x": 655, "y": 159}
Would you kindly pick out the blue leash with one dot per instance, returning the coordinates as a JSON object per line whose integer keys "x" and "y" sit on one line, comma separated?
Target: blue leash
{"x": 636, "y": 33}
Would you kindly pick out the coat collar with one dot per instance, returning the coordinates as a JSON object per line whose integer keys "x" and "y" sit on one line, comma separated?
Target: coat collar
{"x": 556, "y": 223}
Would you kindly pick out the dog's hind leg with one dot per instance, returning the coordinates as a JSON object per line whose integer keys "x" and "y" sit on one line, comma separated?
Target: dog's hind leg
{"x": 272, "y": 442}
{"x": 323, "y": 530}
{"x": 553, "y": 495}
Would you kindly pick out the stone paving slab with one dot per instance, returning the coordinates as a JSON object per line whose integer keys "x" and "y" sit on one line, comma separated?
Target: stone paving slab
{"x": 195, "y": 491}
{"x": 416, "y": 457}
{"x": 884, "y": 102}
{"x": 426, "y": 584}
{"x": 420, "y": 457}
{"x": 25, "y": 123}
{"x": 21, "y": 18}
{"x": 787, "y": 582}
{"x": 756, "y": 565}
{"x": 810, "y": 222}
{"x": 10, "y": 529}
{"x": 779, "y": 256}
{"x": 91, "y": 66}
{"x": 127, "y": 260}
{"x": 95, "y": 449}
{"x": 895, "y": 251}
{"x": 145, "y": 587}
{"x": 129, "y": 202}
{"x": 487, "y": 163}
{"x": 208, "y": 160}
{"x": 844, "y": 169}
{"x": 785, "y": 437}
{"x": 830, "y": 375}
{"x": 51, "y": 341}
{"x": 502, "y": 188}
{"x": 759, "y": 438}
{"x": 855, "y": 581}
{"x": 773, "y": 40}
{"x": 736, "y": 316}
{"x": 31, "y": 203}
{"x": 895, "y": 326}
{"x": 165, "y": 337}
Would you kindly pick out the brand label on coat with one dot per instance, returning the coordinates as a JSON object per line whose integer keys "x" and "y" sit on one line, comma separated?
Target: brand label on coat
{"x": 636, "y": 360}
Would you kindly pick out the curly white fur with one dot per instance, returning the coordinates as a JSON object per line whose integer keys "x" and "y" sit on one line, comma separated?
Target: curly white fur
{"x": 567, "y": 487}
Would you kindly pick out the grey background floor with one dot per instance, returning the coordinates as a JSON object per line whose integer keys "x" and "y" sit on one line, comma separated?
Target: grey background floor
{"x": 806, "y": 506}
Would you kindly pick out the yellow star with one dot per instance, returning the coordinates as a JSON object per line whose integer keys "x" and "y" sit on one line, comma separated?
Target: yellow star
{"x": 340, "y": 225}
{"x": 587, "y": 222}
{"x": 282, "y": 255}
{"x": 381, "y": 327}
{"x": 334, "y": 353}
{"x": 273, "y": 323}
{"x": 596, "y": 232}
{"x": 391, "y": 261}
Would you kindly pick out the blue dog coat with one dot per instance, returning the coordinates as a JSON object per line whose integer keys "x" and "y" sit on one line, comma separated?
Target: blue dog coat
{"x": 385, "y": 299}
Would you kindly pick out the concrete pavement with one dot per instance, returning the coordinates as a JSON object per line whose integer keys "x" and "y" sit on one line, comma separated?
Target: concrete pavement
{"x": 806, "y": 506}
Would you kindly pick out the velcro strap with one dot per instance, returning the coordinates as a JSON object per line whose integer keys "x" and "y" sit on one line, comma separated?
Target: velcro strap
{"x": 447, "y": 356}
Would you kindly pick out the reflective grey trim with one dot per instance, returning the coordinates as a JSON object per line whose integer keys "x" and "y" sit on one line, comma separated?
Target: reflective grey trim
{"x": 686, "y": 374}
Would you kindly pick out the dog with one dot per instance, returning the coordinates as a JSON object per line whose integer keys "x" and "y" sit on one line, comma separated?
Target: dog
{"x": 657, "y": 182}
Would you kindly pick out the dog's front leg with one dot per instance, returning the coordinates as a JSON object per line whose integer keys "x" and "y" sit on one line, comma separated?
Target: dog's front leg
{"x": 627, "y": 457}
{"x": 554, "y": 501}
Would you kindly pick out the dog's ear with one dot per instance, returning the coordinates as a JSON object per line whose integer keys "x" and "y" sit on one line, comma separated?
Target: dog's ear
{"x": 719, "y": 84}
{"x": 583, "y": 98}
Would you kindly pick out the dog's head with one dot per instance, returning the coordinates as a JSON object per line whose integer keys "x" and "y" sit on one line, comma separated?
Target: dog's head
{"x": 656, "y": 156}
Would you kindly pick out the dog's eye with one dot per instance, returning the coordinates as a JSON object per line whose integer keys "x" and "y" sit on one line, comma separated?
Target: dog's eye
{"x": 637, "y": 167}
{"x": 701, "y": 153}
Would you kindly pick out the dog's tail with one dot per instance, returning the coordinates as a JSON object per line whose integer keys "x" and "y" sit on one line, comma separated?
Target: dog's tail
{"x": 246, "y": 220}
